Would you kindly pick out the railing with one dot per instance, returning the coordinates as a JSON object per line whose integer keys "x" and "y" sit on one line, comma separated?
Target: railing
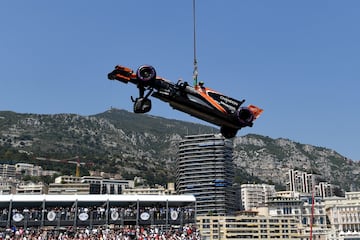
{"x": 87, "y": 216}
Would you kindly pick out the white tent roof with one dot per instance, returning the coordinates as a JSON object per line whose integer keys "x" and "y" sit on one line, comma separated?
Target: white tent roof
{"x": 97, "y": 198}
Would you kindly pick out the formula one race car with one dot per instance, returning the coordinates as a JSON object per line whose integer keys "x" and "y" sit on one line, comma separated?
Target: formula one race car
{"x": 198, "y": 101}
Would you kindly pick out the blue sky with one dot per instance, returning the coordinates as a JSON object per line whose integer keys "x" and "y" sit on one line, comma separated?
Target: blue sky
{"x": 298, "y": 60}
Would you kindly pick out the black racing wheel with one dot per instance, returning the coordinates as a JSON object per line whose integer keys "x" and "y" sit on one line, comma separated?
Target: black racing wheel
{"x": 142, "y": 105}
{"x": 146, "y": 73}
{"x": 228, "y": 132}
{"x": 245, "y": 117}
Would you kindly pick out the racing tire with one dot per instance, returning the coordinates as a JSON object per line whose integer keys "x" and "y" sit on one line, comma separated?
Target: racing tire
{"x": 142, "y": 105}
{"x": 245, "y": 117}
{"x": 228, "y": 132}
{"x": 146, "y": 73}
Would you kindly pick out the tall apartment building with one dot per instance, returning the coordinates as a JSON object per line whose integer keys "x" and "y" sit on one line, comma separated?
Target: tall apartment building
{"x": 255, "y": 195}
{"x": 300, "y": 181}
{"x": 205, "y": 169}
{"x": 324, "y": 189}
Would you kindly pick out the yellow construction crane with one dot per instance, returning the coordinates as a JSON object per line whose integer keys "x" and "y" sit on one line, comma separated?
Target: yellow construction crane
{"x": 68, "y": 160}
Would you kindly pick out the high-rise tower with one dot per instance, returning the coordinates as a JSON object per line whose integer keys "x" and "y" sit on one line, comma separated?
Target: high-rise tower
{"x": 205, "y": 169}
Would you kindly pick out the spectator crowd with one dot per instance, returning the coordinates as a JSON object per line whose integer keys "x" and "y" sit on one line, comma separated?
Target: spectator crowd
{"x": 124, "y": 233}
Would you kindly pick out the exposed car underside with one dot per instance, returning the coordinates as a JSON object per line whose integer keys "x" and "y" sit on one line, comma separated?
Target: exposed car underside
{"x": 198, "y": 101}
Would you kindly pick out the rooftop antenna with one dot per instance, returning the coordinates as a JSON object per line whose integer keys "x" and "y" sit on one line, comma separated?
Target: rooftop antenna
{"x": 195, "y": 73}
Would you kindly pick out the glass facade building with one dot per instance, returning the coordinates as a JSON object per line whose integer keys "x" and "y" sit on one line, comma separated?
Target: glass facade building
{"x": 205, "y": 169}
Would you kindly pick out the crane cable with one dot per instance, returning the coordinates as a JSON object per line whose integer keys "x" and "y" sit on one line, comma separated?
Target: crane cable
{"x": 195, "y": 72}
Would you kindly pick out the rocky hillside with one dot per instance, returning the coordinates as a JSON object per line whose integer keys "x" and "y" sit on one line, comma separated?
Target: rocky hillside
{"x": 120, "y": 142}
{"x": 270, "y": 159}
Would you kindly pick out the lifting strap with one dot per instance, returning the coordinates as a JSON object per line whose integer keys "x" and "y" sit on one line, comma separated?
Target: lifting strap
{"x": 195, "y": 72}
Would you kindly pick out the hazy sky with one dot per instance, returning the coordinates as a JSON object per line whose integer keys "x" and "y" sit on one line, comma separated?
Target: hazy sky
{"x": 298, "y": 60}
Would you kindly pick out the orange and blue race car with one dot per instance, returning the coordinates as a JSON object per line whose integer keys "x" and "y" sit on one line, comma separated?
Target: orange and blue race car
{"x": 198, "y": 100}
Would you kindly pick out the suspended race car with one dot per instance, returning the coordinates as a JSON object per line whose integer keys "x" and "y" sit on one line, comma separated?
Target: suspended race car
{"x": 198, "y": 101}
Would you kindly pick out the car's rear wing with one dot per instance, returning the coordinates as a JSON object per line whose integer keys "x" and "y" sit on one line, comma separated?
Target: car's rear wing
{"x": 255, "y": 110}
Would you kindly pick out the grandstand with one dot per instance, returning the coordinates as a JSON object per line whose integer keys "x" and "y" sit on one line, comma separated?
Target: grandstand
{"x": 59, "y": 211}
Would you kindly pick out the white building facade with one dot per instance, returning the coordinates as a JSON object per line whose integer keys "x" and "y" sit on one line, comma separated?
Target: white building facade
{"x": 255, "y": 195}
